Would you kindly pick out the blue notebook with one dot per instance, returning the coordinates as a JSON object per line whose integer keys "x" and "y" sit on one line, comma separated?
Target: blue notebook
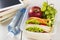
{"x": 5, "y": 4}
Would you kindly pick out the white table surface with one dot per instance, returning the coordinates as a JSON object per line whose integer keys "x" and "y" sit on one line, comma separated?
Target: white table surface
{"x": 4, "y": 31}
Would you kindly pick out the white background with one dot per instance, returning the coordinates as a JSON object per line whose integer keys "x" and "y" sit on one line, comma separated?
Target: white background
{"x": 4, "y": 31}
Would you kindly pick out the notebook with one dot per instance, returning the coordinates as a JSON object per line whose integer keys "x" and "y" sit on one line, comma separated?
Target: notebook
{"x": 6, "y": 4}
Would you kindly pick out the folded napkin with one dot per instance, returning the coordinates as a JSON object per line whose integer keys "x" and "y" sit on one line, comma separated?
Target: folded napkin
{"x": 2, "y": 13}
{"x": 7, "y": 14}
{"x": 7, "y": 17}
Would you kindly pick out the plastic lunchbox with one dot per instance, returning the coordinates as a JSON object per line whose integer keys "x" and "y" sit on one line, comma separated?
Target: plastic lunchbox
{"x": 36, "y": 36}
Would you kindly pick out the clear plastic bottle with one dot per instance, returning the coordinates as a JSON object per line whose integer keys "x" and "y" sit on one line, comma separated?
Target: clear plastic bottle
{"x": 14, "y": 26}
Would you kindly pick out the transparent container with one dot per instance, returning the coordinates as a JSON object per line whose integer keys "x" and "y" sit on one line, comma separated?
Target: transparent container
{"x": 32, "y": 35}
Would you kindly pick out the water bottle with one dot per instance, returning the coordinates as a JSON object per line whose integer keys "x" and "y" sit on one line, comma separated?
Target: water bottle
{"x": 14, "y": 26}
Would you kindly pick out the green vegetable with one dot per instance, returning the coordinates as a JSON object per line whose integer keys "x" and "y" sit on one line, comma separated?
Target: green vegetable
{"x": 33, "y": 21}
{"x": 49, "y": 8}
{"x": 45, "y": 4}
{"x": 43, "y": 8}
{"x": 35, "y": 29}
{"x": 48, "y": 13}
